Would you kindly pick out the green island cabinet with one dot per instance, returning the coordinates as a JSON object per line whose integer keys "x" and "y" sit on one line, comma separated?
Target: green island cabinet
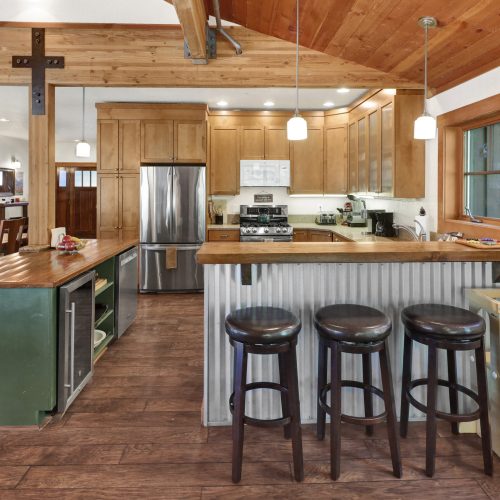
{"x": 29, "y": 346}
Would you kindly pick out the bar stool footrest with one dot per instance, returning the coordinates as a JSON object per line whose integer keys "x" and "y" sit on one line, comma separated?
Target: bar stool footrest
{"x": 377, "y": 419}
{"x": 259, "y": 422}
{"x": 449, "y": 417}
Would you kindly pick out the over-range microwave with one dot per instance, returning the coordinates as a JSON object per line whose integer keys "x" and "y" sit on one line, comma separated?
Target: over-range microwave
{"x": 260, "y": 173}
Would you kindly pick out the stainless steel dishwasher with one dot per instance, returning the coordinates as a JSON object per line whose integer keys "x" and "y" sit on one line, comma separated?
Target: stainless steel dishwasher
{"x": 126, "y": 279}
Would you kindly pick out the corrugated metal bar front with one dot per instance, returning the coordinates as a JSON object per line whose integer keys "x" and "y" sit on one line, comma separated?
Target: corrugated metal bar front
{"x": 303, "y": 289}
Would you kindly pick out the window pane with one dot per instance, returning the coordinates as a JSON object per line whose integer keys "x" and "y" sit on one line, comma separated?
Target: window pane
{"x": 476, "y": 150}
{"x": 481, "y": 195}
{"x": 495, "y": 146}
{"x": 78, "y": 178}
{"x": 62, "y": 178}
{"x": 93, "y": 182}
{"x": 86, "y": 178}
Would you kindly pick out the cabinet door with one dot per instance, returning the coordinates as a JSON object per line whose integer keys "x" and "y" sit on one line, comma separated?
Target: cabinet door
{"x": 320, "y": 235}
{"x": 252, "y": 143}
{"x": 353, "y": 158}
{"x": 190, "y": 141}
{"x": 130, "y": 146}
{"x": 129, "y": 205}
{"x": 362, "y": 156}
{"x": 374, "y": 152}
{"x": 107, "y": 146}
{"x": 307, "y": 163}
{"x": 300, "y": 235}
{"x": 336, "y": 160}
{"x": 157, "y": 138}
{"x": 224, "y": 161}
{"x": 387, "y": 147}
{"x": 277, "y": 146}
{"x": 107, "y": 206}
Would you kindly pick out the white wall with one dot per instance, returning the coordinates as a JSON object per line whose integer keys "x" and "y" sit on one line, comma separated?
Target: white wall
{"x": 65, "y": 152}
{"x": 10, "y": 147}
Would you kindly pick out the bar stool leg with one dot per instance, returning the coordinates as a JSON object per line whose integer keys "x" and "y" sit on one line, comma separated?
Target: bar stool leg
{"x": 336, "y": 409}
{"x": 392, "y": 434}
{"x": 284, "y": 399}
{"x": 294, "y": 411}
{"x": 483, "y": 407}
{"x": 322, "y": 375}
{"x": 368, "y": 396}
{"x": 452, "y": 378}
{"x": 240, "y": 377}
{"x": 431, "y": 424}
{"x": 406, "y": 379}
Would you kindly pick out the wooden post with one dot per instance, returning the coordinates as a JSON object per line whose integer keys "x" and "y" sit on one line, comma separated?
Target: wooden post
{"x": 42, "y": 171}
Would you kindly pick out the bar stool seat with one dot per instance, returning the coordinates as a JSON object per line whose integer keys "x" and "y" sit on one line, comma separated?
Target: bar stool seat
{"x": 443, "y": 321}
{"x": 262, "y": 325}
{"x": 355, "y": 329}
{"x": 352, "y": 323}
{"x": 265, "y": 331}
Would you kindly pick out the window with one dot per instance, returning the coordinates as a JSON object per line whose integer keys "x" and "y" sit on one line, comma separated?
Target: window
{"x": 62, "y": 178}
{"x": 85, "y": 178}
{"x": 482, "y": 171}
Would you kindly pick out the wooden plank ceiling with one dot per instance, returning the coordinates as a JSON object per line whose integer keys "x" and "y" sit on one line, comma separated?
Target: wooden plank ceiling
{"x": 383, "y": 34}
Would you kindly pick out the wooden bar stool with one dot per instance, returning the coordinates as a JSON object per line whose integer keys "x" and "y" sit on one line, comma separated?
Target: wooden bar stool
{"x": 361, "y": 330}
{"x": 265, "y": 330}
{"x": 453, "y": 329}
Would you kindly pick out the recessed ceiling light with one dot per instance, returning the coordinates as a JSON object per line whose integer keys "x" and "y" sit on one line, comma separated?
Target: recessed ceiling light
{"x": 222, "y": 103}
{"x": 269, "y": 104}
{"x": 328, "y": 104}
{"x": 343, "y": 90}
{"x": 4, "y": 120}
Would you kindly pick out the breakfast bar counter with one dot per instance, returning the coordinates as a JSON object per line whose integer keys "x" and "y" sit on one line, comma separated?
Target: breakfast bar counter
{"x": 302, "y": 277}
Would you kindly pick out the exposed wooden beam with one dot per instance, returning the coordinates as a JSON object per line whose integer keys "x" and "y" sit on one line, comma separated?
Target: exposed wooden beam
{"x": 193, "y": 19}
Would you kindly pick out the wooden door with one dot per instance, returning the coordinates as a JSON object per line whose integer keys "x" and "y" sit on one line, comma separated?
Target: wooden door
{"x": 130, "y": 146}
{"x": 277, "y": 146}
{"x": 157, "y": 140}
{"x": 252, "y": 143}
{"x": 224, "y": 161}
{"x": 76, "y": 199}
{"x": 190, "y": 141}
{"x": 317, "y": 235}
{"x": 300, "y": 235}
{"x": 107, "y": 206}
{"x": 353, "y": 158}
{"x": 387, "y": 149}
{"x": 307, "y": 163}
{"x": 336, "y": 160}
{"x": 374, "y": 152}
{"x": 129, "y": 205}
{"x": 107, "y": 146}
{"x": 362, "y": 156}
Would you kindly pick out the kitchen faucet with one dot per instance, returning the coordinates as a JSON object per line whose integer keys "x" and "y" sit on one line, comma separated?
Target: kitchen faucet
{"x": 417, "y": 237}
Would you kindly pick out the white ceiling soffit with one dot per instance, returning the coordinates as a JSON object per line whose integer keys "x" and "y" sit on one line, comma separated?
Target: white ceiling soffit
{"x": 90, "y": 11}
{"x": 14, "y": 103}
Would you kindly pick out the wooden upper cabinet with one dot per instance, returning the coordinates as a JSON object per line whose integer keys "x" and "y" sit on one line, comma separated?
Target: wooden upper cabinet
{"x": 224, "y": 160}
{"x": 277, "y": 145}
{"x": 107, "y": 146}
{"x": 252, "y": 143}
{"x": 362, "y": 156}
{"x": 336, "y": 180}
{"x": 353, "y": 158}
{"x": 307, "y": 163}
{"x": 157, "y": 140}
{"x": 108, "y": 206}
{"x": 374, "y": 152}
{"x": 129, "y": 190}
{"x": 387, "y": 149}
{"x": 190, "y": 141}
{"x": 130, "y": 146}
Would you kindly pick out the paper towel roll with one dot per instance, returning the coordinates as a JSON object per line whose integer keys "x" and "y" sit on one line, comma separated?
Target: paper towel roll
{"x": 422, "y": 219}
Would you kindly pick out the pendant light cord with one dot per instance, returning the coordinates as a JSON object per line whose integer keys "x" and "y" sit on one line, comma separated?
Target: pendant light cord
{"x": 425, "y": 67}
{"x": 83, "y": 115}
{"x": 297, "y": 64}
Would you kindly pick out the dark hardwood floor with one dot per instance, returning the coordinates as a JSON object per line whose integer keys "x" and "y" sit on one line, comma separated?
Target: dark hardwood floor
{"x": 135, "y": 432}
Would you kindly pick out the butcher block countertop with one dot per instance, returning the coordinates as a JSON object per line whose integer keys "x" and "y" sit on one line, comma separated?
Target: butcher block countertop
{"x": 49, "y": 269}
{"x": 386, "y": 251}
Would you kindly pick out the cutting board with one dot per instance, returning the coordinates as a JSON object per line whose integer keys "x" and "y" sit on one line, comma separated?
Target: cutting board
{"x": 478, "y": 244}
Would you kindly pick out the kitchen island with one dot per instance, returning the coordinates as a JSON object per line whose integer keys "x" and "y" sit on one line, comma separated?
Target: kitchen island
{"x": 30, "y": 323}
{"x": 302, "y": 277}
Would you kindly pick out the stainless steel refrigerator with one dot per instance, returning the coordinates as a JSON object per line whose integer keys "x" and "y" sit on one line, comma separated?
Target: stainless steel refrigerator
{"x": 172, "y": 227}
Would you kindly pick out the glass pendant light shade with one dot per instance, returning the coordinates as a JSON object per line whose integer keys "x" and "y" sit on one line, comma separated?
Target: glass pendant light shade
{"x": 425, "y": 127}
{"x": 82, "y": 149}
{"x": 296, "y": 128}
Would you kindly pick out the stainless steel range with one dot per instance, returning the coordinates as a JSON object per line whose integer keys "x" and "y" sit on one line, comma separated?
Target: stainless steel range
{"x": 265, "y": 223}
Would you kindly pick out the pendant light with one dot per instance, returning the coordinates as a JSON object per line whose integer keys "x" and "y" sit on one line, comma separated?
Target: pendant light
{"x": 425, "y": 125}
{"x": 296, "y": 127}
{"x": 83, "y": 147}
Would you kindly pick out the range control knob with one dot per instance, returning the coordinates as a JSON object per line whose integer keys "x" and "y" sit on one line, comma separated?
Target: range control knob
{"x": 254, "y": 230}
{"x": 266, "y": 230}
{"x": 278, "y": 229}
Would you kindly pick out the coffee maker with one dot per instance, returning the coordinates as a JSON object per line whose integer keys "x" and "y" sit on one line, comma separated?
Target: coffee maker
{"x": 385, "y": 220}
{"x": 358, "y": 216}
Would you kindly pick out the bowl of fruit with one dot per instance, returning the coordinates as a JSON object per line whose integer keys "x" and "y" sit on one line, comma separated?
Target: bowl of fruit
{"x": 70, "y": 244}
